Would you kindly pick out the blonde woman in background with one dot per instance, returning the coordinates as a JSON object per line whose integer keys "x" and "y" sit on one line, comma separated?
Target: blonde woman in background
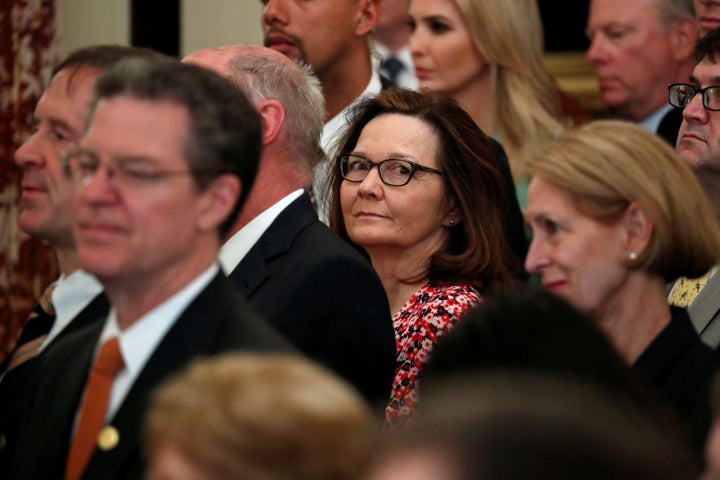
{"x": 488, "y": 55}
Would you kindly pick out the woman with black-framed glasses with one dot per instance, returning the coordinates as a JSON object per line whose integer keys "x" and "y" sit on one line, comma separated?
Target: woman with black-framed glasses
{"x": 417, "y": 188}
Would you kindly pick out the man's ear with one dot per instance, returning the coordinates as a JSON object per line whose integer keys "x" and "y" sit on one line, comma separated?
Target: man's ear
{"x": 683, "y": 36}
{"x": 218, "y": 201}
{"x": 367, "y": 16}
{"x": 273, "y": 118}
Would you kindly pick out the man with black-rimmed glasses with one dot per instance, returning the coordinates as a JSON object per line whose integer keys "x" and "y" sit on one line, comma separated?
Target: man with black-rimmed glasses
{"x": 75, "y": 299}
{"x": 698, "y": 144}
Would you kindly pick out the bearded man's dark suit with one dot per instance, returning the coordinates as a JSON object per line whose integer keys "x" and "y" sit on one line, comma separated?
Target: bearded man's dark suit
{"x": 217, "y": 320}
{"x": 324, "y": 296}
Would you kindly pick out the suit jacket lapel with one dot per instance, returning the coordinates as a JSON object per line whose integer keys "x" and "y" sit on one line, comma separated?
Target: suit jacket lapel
{"x": 192, "y": 334}
{"x": 704, "y": 310}
{"x": 16, "y": 383}
{"x": 670, "y": 125}
{"x": 70, "y": 363}
{"x": 95, "y": 311}
{"x": 277, "y": 240}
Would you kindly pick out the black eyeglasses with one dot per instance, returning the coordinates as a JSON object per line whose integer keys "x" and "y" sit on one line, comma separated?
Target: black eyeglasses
{"x": 681, "y": 94}
{"x": 393, "y": 171}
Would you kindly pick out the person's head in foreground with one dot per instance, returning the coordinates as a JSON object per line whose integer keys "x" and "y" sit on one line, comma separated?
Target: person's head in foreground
{"x": 258, "y": 417}
{"x": 520, "y": 426}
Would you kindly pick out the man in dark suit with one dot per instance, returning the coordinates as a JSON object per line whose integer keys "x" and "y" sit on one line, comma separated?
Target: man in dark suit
{"x": 315, "y": 288}
{"x": 637, "y": 48}
{"x": 77, "y": 298}
{"x": 699, "y": 145}
{"x": 159, "y": 176}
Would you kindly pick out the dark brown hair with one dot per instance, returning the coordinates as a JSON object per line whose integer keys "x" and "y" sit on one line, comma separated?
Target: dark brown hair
{"x": 477, "y": 253}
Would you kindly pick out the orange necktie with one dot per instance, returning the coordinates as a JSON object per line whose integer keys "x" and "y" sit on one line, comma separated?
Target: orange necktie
{"x": 93, "y": 407}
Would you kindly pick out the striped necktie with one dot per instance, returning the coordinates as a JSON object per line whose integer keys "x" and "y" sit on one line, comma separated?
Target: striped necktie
{"x": 35, "y": 330}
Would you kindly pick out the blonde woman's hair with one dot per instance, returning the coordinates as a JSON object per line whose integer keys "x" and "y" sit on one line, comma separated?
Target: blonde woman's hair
{"x": 527, "y": 104}
{"x": 253, "y": 416}
{"x": 606, "y": 165}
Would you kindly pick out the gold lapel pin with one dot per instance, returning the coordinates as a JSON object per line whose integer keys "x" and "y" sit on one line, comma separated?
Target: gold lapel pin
{"x": 108, "y": 438}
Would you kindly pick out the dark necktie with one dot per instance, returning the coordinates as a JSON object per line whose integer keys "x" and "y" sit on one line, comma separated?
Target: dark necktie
{"x": 35, "y": 330}
{"x": 391, "y": 67}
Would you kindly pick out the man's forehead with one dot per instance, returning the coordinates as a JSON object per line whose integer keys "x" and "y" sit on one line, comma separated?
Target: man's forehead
{"x": 127, "y": 126}
{"x": 214, "y": 59}
{"x": 67, "y": 97}
{"x": 219, "y": 59}
{"x": 76, "y": 79}
{"x": 707, "y": 72}
{"x": 142, "y": 107}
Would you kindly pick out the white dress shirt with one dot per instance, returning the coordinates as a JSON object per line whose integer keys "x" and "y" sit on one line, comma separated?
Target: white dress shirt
{"x": 237, "y": 246}
{"x": 71, "y": 294}
{"x": 141, "y": 339}
{"x": 406, "y": 78}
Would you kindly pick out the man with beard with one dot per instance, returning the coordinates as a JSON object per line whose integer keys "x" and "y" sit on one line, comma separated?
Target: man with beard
{"x": 333, "y": 37}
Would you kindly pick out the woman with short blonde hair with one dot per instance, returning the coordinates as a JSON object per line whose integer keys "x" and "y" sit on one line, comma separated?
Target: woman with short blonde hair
{"x": 616, "y": 214}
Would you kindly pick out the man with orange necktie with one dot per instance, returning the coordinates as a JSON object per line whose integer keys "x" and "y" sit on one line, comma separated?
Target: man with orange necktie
{"x": 76, "y": 298}
{"x": 159, "y": 174}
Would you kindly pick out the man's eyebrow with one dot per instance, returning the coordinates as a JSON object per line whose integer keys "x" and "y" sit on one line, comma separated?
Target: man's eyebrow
{"x": 714, "y": 80}
{"x": 59, "y": 123}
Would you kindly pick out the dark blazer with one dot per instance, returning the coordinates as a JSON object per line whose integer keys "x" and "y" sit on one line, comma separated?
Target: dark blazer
{"x": 324, "y": 296}
{"x": 670, "y": 125}
{"x": 679, "y": 366}
{"x": 218, "y": 320}
{"x": 15, "y": 383}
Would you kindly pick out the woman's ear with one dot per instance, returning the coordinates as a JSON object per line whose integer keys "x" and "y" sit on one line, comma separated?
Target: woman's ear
{"x": 453, "y": 216}
{"x": 638, "y": 229}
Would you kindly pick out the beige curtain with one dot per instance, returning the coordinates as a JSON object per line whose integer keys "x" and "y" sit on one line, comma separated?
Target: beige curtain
{"x": 27, "y": 53}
